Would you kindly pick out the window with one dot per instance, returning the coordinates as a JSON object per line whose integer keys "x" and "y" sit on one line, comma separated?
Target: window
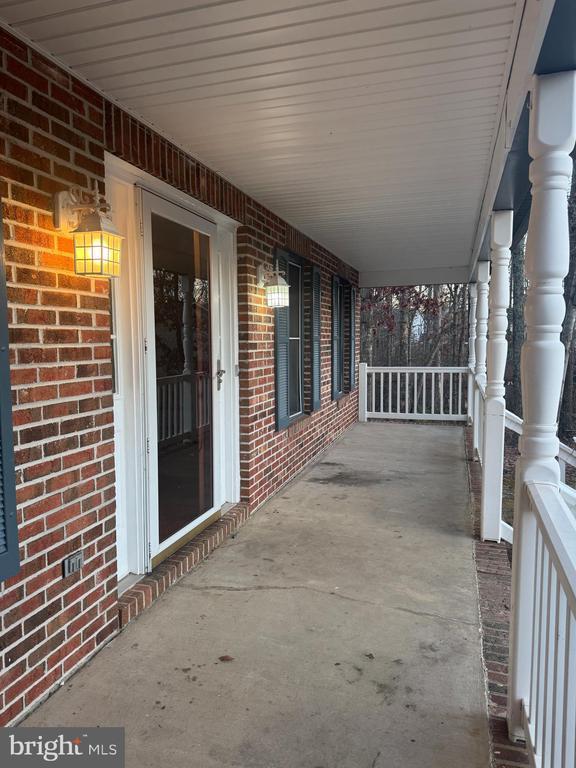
{"x": 9, "y": 556}
{"x": 352, "y": 343}
{"x": 114, "y": 338}
{"x": 297, "y": 341}
{"x": 337, "y": 337}
{"x": 343, "y": 337}
{"x": 315, "y": 320}
{"x": 295, "y": 365}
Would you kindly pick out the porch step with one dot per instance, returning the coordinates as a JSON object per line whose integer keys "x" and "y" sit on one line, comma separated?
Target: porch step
{"x": 149, "y": 588}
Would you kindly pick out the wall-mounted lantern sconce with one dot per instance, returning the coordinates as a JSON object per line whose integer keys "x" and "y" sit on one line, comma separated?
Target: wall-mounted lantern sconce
{"x": 277, "y": 289}
{"x": 97, "y": 242}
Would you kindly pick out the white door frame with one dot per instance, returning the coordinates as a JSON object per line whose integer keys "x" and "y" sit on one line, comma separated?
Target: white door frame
{"x": 124, "y": 186}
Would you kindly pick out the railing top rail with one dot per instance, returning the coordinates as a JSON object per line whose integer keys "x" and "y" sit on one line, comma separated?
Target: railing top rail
{"x": 568, "y": 454}
{"x": 416, "y": 369}
{"x": 168, "y": 379}
{"x": 514, "y": 422}
{"x": 558, "y": 526}
{"x": 569, "y": 494}
{"x": 481, "y": 387}
{"x": 565, "y": 452}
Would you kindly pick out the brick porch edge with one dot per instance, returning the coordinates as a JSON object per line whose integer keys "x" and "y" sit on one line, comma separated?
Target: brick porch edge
{"x": 142, "y": 594}
{"x": 494, "y": 573}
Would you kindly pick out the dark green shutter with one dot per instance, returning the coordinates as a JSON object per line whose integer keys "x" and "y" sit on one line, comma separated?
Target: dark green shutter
{"x": 336, "y": 338}
{"x": 9, "y": 556}
{"x": 316, "y": 338}
{"x": 282, "y": 356}
{"x": 352, "y": 338}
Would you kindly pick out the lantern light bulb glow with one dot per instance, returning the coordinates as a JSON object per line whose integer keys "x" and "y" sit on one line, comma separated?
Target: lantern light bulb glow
{"x": 277, "y": 289}
{"x": 97, "y": 243}
{"x": 97, "y": 247}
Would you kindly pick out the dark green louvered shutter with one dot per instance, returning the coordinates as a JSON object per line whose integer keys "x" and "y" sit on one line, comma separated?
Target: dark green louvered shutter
{"x": 352, "y": 337}
{"x": 281, "y": 353}
{"x": 9, "y": 556}
{"x": 336, "y": 338}
{"x": 316, "y": 336}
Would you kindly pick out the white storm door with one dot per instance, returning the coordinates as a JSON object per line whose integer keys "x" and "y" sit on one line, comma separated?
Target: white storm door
{"x": 182, "y": 392}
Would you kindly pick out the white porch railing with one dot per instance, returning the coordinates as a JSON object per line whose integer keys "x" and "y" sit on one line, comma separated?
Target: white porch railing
{"x": 169, "y": 405}
{"x": 425, "y": 394}
{"x": 550, "y": 713}
{"x": 479, "y": 417}
{"x": 183, "y": 403}
{"x": 566, "y": 455}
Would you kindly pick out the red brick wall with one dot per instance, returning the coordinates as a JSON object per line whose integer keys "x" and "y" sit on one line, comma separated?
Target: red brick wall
{"x": 52, "y": 137}
{"x": 53, "y": 133}
{"x": 268, "y": 459}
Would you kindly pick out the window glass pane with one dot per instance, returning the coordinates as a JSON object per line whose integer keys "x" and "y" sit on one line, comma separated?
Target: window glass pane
{"x": 341, "y": 351}
{"x": 113, "y": 339}
{"x": 295, "y": 404}
{"x": 294, "y": 281}
{"x": 181, "y": 261}
{"x": 295, "y": 333}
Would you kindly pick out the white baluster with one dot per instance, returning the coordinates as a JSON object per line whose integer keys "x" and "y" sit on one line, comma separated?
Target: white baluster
{"x": 551, "y": 139}
{"x": 442, "y": 393}
{"x": 406, "y": 393}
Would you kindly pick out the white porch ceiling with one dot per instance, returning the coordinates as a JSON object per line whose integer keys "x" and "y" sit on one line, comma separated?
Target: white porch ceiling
{"x": 368, "y": 124}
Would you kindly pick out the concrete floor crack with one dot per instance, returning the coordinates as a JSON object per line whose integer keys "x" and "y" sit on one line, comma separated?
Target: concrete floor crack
{"x": 437, "y": 616}
{"x": 273, "y": 587}
{"x": 305, "y": 587}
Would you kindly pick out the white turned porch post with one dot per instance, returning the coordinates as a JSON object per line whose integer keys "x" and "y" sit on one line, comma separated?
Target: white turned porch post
{"x": 483, "y": 277}
{"x": 495, "y": 404}
{"x": 472, "y": 301}
{"x": 551, "y": 139}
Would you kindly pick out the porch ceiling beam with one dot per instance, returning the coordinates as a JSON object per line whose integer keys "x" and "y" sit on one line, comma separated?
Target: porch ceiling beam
{"x": 414, "y": 276}
{"x": 531, "y": 35}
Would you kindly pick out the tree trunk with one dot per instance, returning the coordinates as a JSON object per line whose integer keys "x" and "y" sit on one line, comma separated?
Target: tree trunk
{"x": 436, "y": 329}
{"x": 517, "y": 337}
{"x": 565, "y": 421}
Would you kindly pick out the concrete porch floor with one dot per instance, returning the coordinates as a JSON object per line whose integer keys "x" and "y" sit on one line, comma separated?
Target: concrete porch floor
{"x": 348, "y": 607}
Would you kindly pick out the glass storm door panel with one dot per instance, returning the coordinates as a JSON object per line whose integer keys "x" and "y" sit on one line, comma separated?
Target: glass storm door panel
{"x": 181, "y": 282}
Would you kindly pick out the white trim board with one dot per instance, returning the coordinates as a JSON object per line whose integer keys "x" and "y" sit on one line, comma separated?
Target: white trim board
{"x": 414, "y": 276}
{"x": 124, "y": 187}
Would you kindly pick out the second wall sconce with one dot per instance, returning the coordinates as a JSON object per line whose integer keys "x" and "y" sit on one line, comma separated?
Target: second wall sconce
{"x": 97, "y": 242}
{"x": 277, "y": 289}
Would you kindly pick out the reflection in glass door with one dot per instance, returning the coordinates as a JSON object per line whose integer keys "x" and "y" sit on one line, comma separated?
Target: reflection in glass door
{"x": 181, "y": 280}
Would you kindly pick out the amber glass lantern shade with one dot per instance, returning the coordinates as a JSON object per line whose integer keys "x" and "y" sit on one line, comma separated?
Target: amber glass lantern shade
{"x": 97, "y": 246}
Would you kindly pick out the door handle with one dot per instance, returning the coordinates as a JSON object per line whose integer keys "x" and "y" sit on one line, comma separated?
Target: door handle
{"x": 219, "y": 374}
